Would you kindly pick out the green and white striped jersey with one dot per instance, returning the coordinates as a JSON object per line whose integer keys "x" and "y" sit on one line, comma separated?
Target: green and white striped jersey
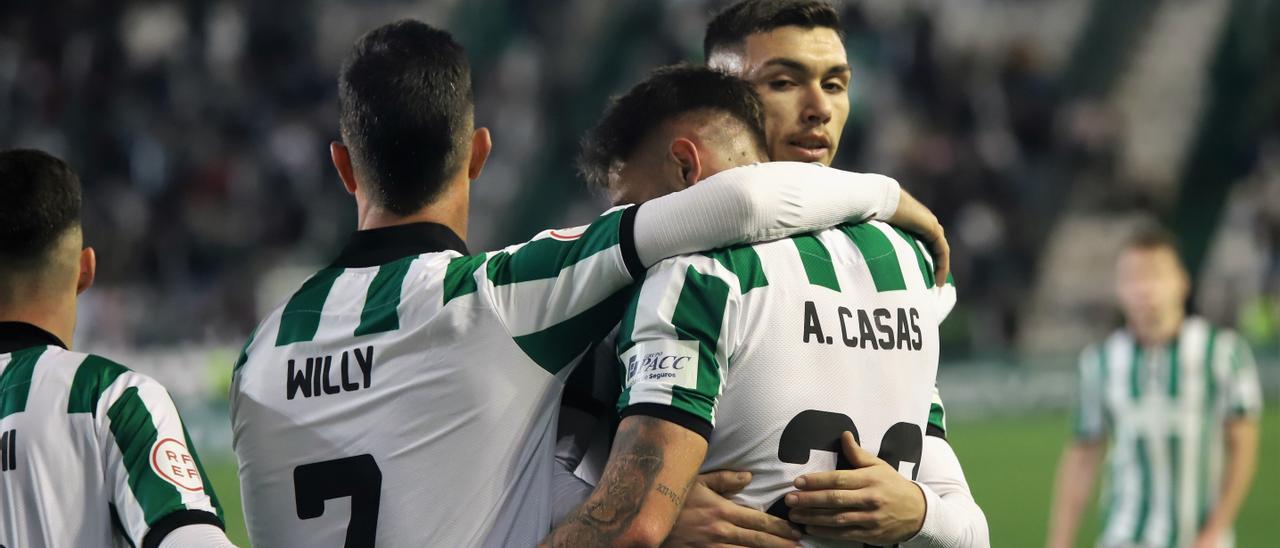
{"x": 91, "y": 453}
{"x": 422, "y": 383}
{"x": 1164, "y": 410}
{"x": 772, "y": 350}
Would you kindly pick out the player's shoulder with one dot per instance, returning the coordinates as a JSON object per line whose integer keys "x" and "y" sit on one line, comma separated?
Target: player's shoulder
{"x": 90, "y": 378}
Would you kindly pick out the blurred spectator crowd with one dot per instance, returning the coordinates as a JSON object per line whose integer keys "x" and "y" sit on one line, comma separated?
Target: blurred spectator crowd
{"x": 201, "y": 130}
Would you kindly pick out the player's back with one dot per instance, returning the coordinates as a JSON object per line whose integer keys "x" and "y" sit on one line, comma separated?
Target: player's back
{"x": 91, "y": 453}
{"x": 810, "y": 336}
{"x": 408, "y": 398}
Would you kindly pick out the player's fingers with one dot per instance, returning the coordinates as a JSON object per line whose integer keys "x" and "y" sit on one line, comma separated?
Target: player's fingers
{"x": 725, "y": 482}
{"x": 834, "y": 479}
{"x": 755, "y": 520}
{"x": 858, "y": 457}
{"x": 831, "y": 498}
{"x": 760, "y": 539}
{"x": 941, "y": 257}
{"x": 868, "y": 536}
{"x": 828, "y": 517}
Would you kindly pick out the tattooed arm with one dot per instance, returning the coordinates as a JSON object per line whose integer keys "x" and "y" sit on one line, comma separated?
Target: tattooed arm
{"x": 653, "y": 464}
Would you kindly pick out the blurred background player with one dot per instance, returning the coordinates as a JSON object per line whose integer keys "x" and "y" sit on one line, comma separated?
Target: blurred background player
{"x": 409, "y": 368}
{"x": 91, "y": 453}
{"x": 1173, "y": 402}
{"x": 723, "y": 355}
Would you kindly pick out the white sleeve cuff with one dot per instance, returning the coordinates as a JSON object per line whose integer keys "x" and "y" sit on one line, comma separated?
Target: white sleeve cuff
{"x": 196, "y": 536}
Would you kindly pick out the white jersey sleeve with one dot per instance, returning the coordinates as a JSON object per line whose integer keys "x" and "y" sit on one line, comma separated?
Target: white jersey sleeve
{"x": 1243, "y": 390}
{"x": 1090, "y": 411}
{"x": 676, "y": 340}
{"x": 154, "y": 478}
{"x": 952, "y": 517}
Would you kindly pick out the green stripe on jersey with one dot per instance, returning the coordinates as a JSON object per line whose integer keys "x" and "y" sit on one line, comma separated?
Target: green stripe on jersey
{"x": 15, "y": 381}
{"x": 915, "y": 243}
{"x": 381, "y": 302}
{"x": 743, "y": 262}
{"x": 937, "y": 416}
{"x": 816, "y": 261}
{"x": 301, "y": 316}
{"x": 878, "y": 252}
{"x": 204, "y": 477}
{"x": 1144, "y": 494}
{"x": 244, "y": 352}
{"x": 1174, "y": 366}
{"x": 135, "y": 434}
{"x": 555, "y": 347}
{"x": 1135, "y": 372}
{"x": 546, "y": 257}
{"x": 93, "y": 377}
{"x": 698, "y": 316}
{"x": 460, "y": 277}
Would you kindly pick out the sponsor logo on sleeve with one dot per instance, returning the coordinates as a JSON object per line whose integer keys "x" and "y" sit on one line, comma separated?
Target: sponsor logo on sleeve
{"x": 171, "y": 461}
{"x": 667, "y": 362}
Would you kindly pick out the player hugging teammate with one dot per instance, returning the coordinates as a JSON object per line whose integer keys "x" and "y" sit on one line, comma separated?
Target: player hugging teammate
{"x": 762, "y": 305}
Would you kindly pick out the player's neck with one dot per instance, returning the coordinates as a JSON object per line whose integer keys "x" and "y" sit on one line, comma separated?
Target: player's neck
{"x": 54, "y": 315}
{"x": 1158, "y": 334}
{"x": 449, "y": 209}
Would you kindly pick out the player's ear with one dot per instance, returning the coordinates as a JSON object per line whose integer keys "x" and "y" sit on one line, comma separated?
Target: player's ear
{"x": 481, "y": 145}
{"x": 341, "y": 157}
{"x": 88, "y": 269}
{"x": 685, "y": 155}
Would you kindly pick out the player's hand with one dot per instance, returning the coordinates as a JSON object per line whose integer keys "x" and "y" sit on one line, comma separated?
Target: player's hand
{"x": 1209, "y": 537}
{"x": 913, "y": 216}
{"x": 872, "y": 503}
{"x": 710, "y": 519}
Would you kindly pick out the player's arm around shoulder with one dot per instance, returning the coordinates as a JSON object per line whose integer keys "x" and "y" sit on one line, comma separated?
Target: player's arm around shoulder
{"x": 154, "y": 476}
{"x": 652, "y": 467}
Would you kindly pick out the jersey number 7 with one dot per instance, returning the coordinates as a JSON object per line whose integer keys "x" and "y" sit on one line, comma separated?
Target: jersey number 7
{"x": 357, "y": 477}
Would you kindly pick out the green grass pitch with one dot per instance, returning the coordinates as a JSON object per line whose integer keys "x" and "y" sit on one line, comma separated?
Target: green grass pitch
{"x": 1010, "y": 465}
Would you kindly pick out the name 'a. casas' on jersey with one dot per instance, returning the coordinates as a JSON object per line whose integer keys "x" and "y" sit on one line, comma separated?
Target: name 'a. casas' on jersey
{"x": 772, "y": 350}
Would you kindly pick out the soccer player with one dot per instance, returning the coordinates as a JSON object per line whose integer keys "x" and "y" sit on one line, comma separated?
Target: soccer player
{"x": 1177, "y": 400}
{"x": 792, "y": 52}
{"x": 747, "y": 358}
{"x": 91, "y": 453}
{"x": 420, "y": 383}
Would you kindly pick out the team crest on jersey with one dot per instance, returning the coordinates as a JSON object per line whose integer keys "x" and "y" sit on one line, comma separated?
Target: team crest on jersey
{"x": 666, "y": 362}
{"x": 568, "y": 234}
{"x": 171, "y": 461}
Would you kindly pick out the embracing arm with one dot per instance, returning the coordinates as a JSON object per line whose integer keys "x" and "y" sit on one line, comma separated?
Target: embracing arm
{"x": 952, "y": 517}
{"x": 652, "y": 467}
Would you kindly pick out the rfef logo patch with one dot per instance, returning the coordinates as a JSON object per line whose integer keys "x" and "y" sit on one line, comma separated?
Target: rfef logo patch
{"x": 664, "y": 362}
{"x": 171, "y": 460}
{"x": 568, "y": 234}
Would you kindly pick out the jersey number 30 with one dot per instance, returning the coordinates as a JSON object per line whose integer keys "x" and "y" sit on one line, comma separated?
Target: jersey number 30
{"x": 357, "y": 477}
{"x": 820, "y": 430}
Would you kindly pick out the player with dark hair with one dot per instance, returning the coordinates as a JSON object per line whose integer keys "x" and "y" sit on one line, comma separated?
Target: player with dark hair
{"x": 792, "y": 51}
{"x": 1178, "y": 401}
{"x": 712, "y": 343}
{"x": 91, "y": 453}
{"x": 409, "y": 371}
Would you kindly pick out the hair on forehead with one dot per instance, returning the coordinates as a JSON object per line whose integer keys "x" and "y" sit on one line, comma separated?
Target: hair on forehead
{"x": 1151, "y": 236}
{"x": 665, "y": 95}
{"x": 730, "y": 27}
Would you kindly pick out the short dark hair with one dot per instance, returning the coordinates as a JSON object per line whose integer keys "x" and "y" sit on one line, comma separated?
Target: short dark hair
{"x": 1150, "y": 236}
{"x": 666, "y": 93}
{"x": 39, "y": 202}
{"x": 731, "y": 26}
{"x": 404, "y": 95}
